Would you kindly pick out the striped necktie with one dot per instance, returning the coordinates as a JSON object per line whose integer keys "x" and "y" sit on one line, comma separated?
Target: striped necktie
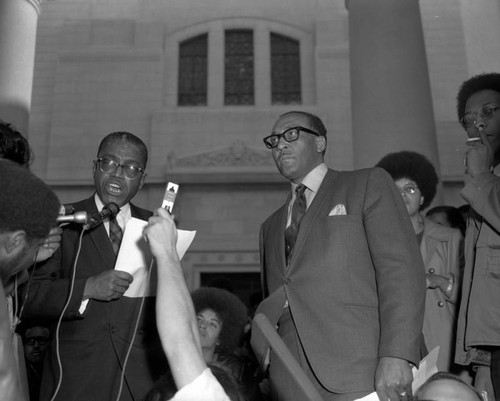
{"x": 115, "y": 235}
{"x": 298, "y": 211}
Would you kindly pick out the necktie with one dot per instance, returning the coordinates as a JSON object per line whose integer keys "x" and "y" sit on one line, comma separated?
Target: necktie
{"x": 115, "y": 235}
{"x": 298, "y": 211}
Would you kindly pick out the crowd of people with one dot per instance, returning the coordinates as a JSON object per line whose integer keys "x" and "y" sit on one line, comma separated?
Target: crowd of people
{"x": 359, "y": 282}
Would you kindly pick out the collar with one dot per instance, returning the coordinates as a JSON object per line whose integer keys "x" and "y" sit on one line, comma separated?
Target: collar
{"x": 314, "y": 178}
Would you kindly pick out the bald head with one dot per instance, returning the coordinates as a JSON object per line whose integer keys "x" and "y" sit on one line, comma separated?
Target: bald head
{"x": 447, "y": 387}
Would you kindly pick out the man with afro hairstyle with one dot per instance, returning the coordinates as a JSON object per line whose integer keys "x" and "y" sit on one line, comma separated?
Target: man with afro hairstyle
{"x": 478, "y": 327}
{"x": 28, "y": 210}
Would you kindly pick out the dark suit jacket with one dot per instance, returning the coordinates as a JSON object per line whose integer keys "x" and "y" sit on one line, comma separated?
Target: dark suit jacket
{"x": 355, "y": 284}
{"x": 93, "y": 346}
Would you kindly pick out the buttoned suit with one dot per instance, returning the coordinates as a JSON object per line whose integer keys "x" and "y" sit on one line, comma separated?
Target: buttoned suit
{"x": 355, "y": 283}
{"x": 93, "y": 345}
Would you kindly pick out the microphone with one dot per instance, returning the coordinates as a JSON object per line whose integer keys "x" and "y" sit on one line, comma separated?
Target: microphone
{"x": 76, "y": 217}
{"x": 108, "y": 212}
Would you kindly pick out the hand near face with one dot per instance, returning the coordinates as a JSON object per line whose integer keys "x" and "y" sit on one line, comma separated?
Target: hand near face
{"x": 479, "y": 157}
{"x": 393, "y": 379}
{"x": 50, "y": 244}
{"x": 107, "y": 286}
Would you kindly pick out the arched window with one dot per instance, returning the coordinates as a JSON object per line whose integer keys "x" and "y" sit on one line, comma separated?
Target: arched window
{"x": 285, "y": 70}
{"x": 193, "y": 71}
{"x": 239, "y": 67}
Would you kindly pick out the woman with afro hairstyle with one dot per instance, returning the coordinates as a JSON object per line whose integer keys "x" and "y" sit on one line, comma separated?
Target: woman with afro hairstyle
{"x": 441, "y": 248}
{"x": 222, "y": 317}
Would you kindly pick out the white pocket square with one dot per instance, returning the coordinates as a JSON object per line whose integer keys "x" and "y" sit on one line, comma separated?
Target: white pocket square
{"x": 338, "y": 210}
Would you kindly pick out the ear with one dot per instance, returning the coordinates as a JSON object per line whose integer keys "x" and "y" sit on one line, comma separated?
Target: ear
{"x": 422, "y": 200}
{"x": 320, "y": 144}
{"x": 143, "y": 178}
{"x": 15, "y": 242}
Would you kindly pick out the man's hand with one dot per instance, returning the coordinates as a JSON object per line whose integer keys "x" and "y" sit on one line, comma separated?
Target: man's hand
{"x": 482, "y": 381}
{"x": 393, "y": 379}
{"x": 479, "y": 157}
{"x": 50, "y": 244}
{"x": 108, "y": 285}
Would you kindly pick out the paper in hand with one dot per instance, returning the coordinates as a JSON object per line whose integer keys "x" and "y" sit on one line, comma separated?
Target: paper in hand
{"x": 135, "y": 257}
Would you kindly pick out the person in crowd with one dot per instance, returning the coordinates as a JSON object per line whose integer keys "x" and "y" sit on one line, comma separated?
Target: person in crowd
{"x": 348, "y": 303}
{"x": 441, "y": 248}
{"x": 103, "y": 348}
{"x": 444, "y": 386}
{"x": 176, "y": 319}
{"x": 28, "y": 210}
{"x": 448, "y": 216}
{"x": 478, "y": 327}
{"x": 221, "y": 319}
{"x": 36, "y": 337}
{"x": 13, "y": 145}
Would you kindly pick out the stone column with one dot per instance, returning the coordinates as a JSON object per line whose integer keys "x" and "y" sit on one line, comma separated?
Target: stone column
{"x": 390, "y": 90}
{"x": 18, "y": 24}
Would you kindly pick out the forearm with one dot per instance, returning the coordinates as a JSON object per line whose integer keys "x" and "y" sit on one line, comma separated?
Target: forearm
{"x": 176, "y": 322}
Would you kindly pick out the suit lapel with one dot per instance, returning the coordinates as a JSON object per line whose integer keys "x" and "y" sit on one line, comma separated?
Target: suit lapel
{"x": 100, "y": 237}
{"x": 278, "y": 226}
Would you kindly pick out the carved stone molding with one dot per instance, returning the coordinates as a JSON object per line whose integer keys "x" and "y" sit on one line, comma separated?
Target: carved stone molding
{"x": 237, "y": 155}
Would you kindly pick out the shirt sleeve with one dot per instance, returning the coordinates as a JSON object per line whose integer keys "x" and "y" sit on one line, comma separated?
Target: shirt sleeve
{"x": 204, "y": 388}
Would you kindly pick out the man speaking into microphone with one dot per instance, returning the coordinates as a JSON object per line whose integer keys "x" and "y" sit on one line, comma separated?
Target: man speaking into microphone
{"x": 99, "y": 322}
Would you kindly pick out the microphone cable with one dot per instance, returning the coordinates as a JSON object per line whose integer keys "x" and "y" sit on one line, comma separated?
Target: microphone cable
{"x": 58, "y": 327}
{"x": 136, "y": 326}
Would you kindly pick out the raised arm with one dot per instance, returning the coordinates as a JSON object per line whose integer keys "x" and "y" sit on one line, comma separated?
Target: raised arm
{"x": 175, "y": 316}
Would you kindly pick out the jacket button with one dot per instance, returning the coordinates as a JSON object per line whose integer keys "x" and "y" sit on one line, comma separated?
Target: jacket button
{"x": 286, "y": 281}
{"x": 440, "y": 304}
{"x": 431, "y": 270}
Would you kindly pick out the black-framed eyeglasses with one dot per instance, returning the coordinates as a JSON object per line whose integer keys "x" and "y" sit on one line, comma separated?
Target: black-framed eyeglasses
{"x": 485, "y": 112}
{"x": 109, "y": 166}
{"x": 290, "y": 135}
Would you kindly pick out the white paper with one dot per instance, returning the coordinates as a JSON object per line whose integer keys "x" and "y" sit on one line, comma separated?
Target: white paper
{"x": 135, "y": 257}
{"x": 426, "y": 368}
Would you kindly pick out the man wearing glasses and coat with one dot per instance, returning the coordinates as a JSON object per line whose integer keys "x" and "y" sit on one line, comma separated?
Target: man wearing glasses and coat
{"x": 99, "y": 322}
{"x": 342, "y": 273}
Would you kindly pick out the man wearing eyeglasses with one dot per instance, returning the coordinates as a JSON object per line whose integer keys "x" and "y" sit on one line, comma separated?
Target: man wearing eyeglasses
{"x": 478, "y": 330}
{"x": 342, "y": 272}
{"x": 98, "y": 325}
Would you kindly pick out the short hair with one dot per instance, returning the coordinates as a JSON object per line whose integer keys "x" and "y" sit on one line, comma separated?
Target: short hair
{"x": 26, "y": 202}
{"x": 13, "y": 145}
{"x": 414, "y": 166}
{"x": 125, "y": 136}
{"x": 316, "y": 122}
{"x": 229, "y": 308}
{"x": 473, "y": 85}
{"x": 445, "y": 376}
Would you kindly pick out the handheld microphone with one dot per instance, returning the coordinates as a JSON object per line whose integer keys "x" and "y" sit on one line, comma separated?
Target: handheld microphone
{"x": 76, "y": 217}
{"x": 108, "y": 212}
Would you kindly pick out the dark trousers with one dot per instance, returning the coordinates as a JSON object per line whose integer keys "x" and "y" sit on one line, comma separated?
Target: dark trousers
{"x": 277, "y": 373}
{"x": 495, "y": 371}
